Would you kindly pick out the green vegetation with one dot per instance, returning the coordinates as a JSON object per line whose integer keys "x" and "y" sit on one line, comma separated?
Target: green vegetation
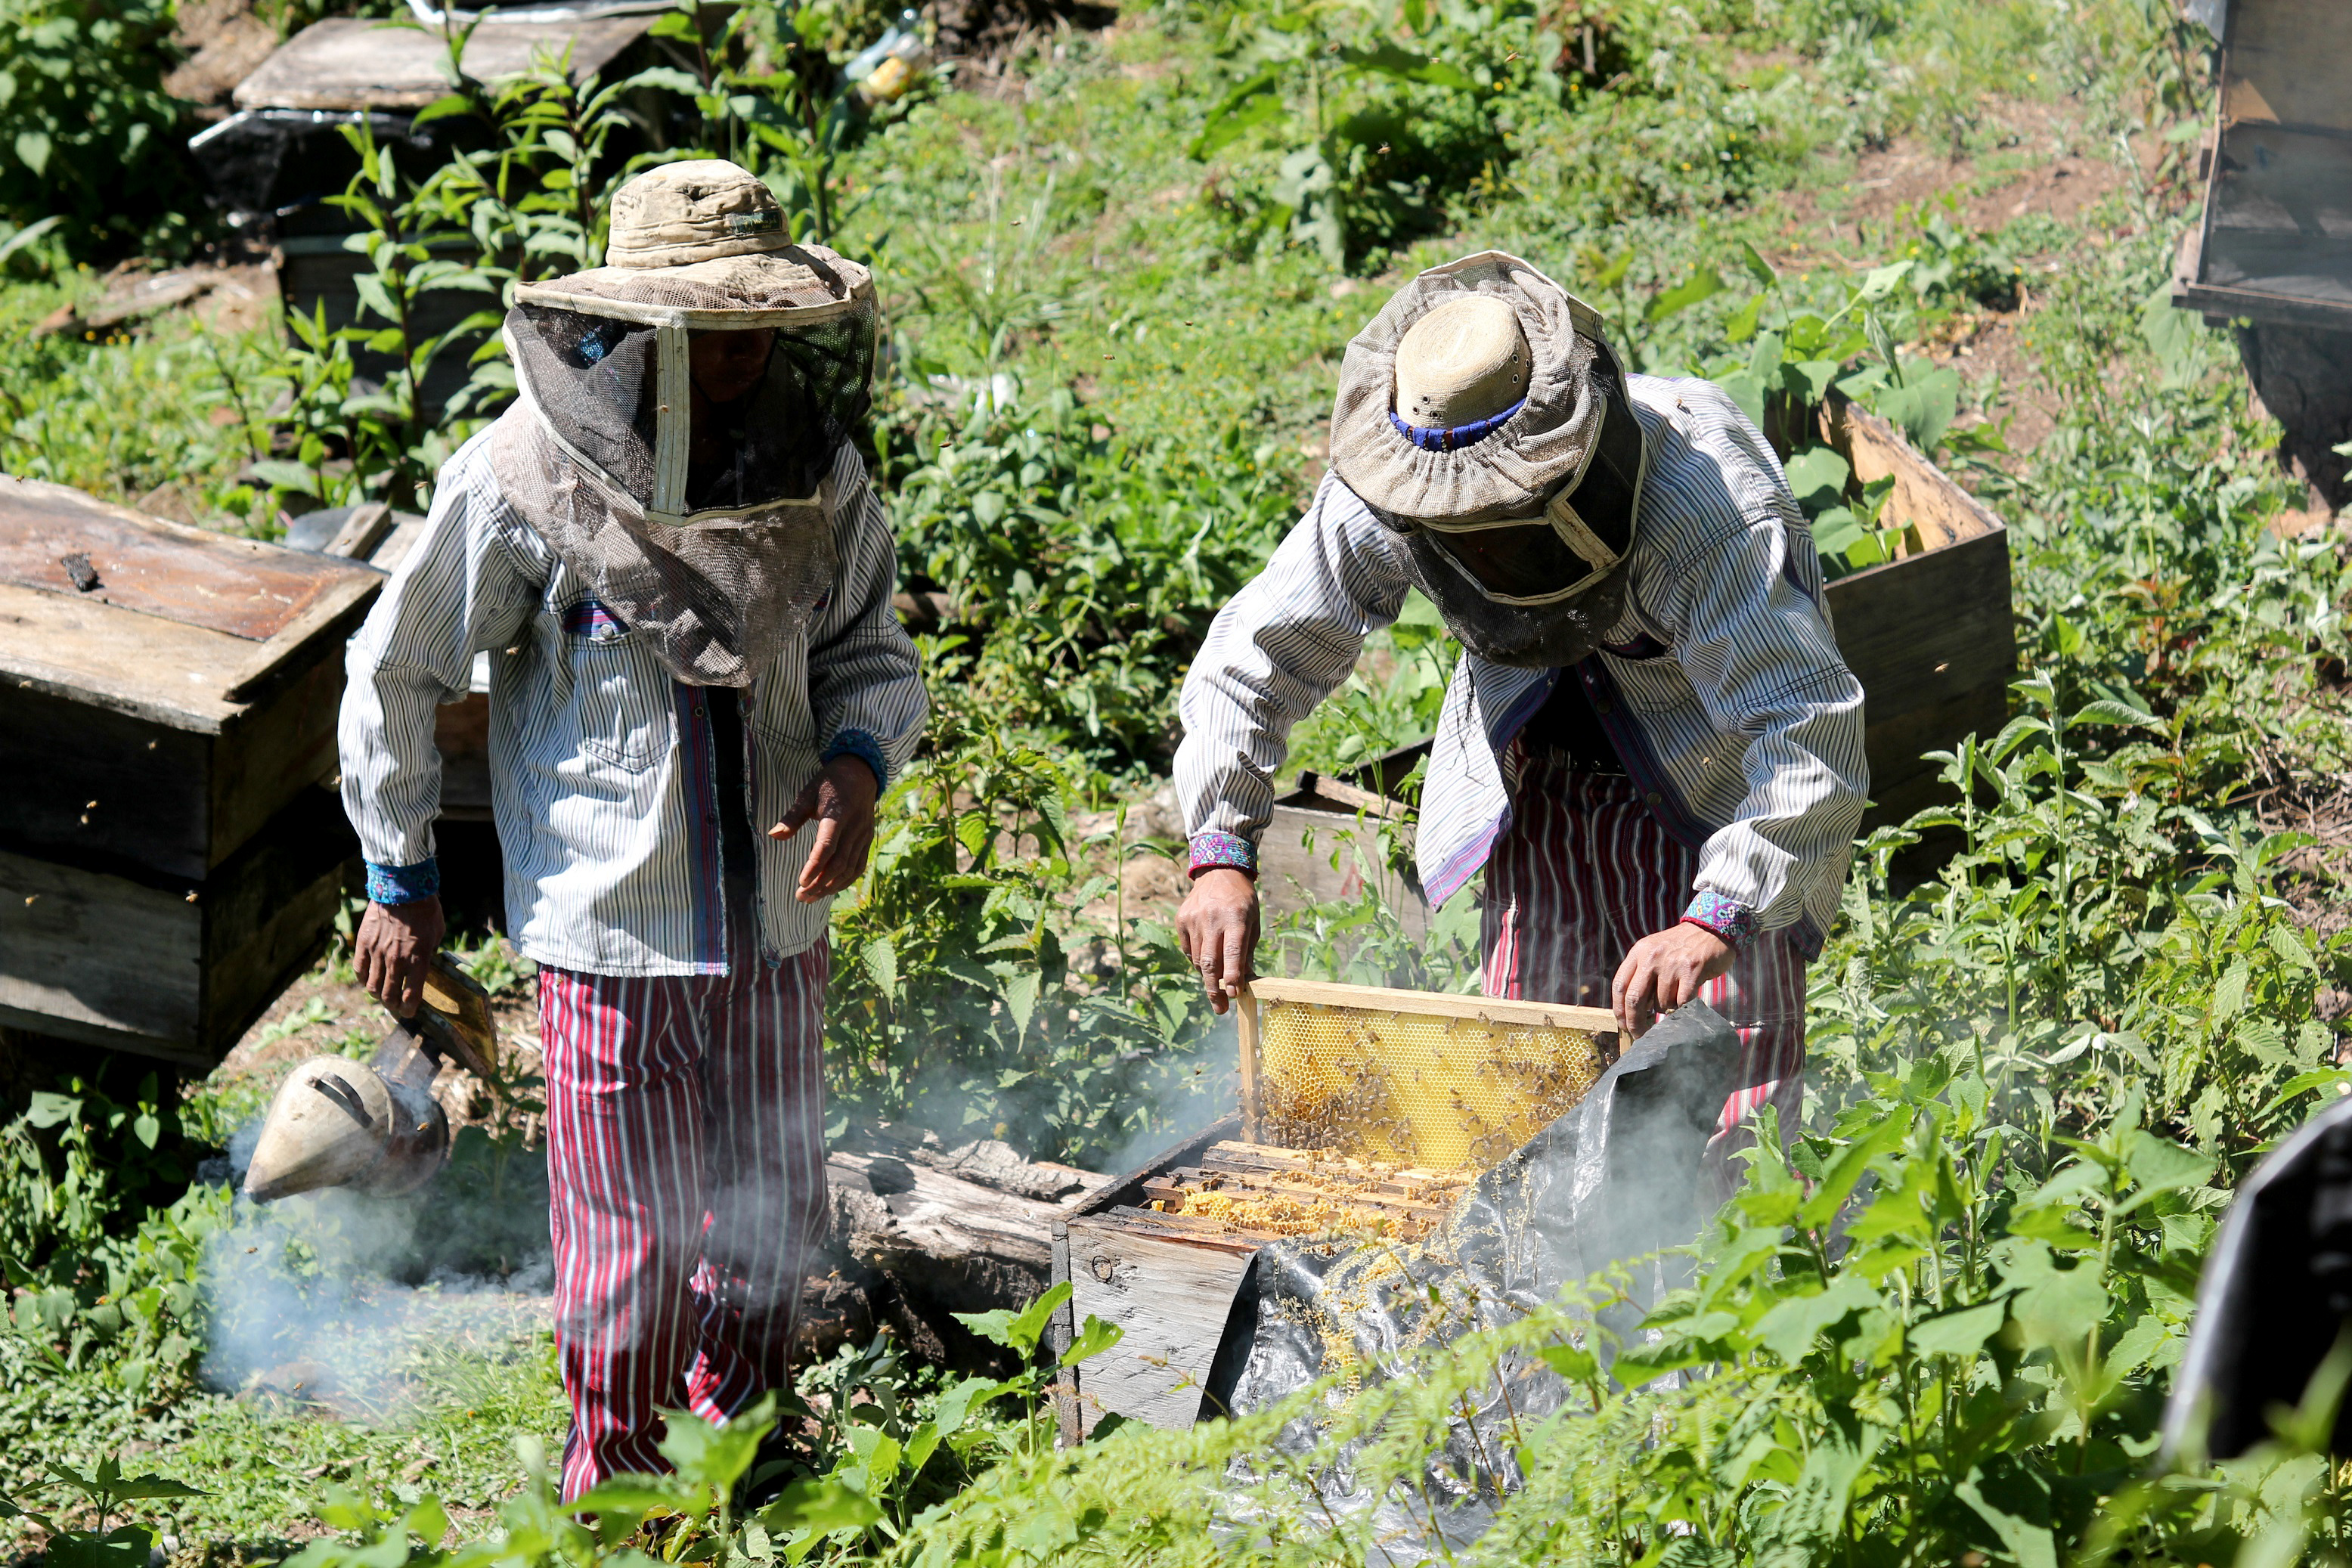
{"x": 1116, "y": 301}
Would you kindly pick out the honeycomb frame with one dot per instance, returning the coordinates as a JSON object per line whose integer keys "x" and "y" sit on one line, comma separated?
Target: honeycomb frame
{"x": 1421, "y": 1077}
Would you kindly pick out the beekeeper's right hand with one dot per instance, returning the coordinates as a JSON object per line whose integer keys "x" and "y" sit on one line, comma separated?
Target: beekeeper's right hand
{"x": 394, "y": 948}
{"x": 1218, "y": 929}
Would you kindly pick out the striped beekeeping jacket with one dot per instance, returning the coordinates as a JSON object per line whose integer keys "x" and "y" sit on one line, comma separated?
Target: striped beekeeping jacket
{"x": 1722, "y": 686}
{"x": 601, "y": 774}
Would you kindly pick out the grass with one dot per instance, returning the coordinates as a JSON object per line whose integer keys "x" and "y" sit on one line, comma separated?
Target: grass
{"x": 1202, "y": 349}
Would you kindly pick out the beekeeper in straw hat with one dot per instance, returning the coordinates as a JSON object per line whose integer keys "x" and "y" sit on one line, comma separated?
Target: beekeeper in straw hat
{"x": 668, "y": 550}
{"x": 1651, "y": 745}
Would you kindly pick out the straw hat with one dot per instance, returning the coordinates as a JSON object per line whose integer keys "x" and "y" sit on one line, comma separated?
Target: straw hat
{"x": 1464, "y": 362}
{"x": 703, "y": 244}
{"x": 1487, "y": 338}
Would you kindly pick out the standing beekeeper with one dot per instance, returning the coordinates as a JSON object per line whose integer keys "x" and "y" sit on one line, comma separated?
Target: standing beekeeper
{"x": 669, "y": 551}
{"x": 1651, "y": 744}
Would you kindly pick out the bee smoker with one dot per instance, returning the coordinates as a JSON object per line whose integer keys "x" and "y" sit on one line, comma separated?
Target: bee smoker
{"x": 376, "y": 1129}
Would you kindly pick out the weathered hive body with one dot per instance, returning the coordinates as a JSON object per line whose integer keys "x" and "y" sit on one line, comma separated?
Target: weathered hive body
{"x": 1366, "y": 1114}
{"x": 168, "y": 699}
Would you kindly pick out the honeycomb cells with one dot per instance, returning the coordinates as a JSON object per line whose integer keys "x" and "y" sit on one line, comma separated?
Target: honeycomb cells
{"x": 1424, "y": 1088}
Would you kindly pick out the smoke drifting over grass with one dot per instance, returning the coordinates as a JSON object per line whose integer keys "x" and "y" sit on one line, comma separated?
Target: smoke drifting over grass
{"x": 334, "y": 1298}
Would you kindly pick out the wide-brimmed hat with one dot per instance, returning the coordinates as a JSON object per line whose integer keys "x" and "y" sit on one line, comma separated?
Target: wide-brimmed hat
{"x": 1509, "y": 470}
{"x": 703, "y": 244}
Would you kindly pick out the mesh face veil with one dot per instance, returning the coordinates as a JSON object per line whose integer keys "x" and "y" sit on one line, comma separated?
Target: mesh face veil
{"x": 682, "y": 439}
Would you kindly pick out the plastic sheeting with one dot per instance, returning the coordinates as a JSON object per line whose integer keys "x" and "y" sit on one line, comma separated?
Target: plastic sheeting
{"x": 1615, "y": 1178}
{"x": 2277, "y": 1297}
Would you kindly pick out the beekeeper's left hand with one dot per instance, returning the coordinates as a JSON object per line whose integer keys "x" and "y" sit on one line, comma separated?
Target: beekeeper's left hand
{"x": 1665, "y": 970}
{"x": 840, "y": 800}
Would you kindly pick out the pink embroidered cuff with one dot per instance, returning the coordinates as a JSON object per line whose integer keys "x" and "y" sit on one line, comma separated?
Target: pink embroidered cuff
{"x": 1732, "y": 921}
{"x": 1210, "y": 850}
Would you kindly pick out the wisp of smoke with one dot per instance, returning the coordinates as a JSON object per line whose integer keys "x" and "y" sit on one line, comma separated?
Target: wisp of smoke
{"x": 331, "y": 1296}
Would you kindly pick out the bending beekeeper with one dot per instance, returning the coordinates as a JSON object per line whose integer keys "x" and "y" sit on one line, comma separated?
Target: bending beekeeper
{"x": 668, "y": 549}
{"x": 1651, "y": 744}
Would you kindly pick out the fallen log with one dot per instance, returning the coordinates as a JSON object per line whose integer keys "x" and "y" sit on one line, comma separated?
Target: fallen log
{"x": 920, "y": 1232}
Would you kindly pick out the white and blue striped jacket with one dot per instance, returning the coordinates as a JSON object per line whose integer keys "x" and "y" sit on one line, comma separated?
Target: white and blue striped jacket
{"x": 602, "y": 776}
{"x": 1722, "y": 686}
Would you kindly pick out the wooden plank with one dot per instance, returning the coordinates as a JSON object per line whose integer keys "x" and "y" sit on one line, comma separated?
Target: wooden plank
{"x": 1245, "y": 1026}
{"x": 351, "y": 63}
{"x": 1314, "y": 790}
{"x": 1309, "y": 855}
{"x": 95, "y": 785}
{"x": 269, "y": 911}
{"x": 192, "y": 576}
{"x": 280, "y": 748}
{"x": 361, "y": 532}
{"x": 317, "y": 635}
{"x": 1172, "y": 1298}
{"x": 1937, "y": 511}
{"x": 1069, "y": 1431}
{"x": 1485, "y": 1009}
{"x": 164, "y": 966}
{"x": 2283, "y": 63}
{"x": 1931, "y": 640}
{"x": 115, "y": 658}
{"x": 178, "y": 785}
{"x": 101, "y": 956}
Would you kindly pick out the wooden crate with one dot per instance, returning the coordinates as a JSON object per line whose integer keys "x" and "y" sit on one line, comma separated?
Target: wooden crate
{"x": 2271, "y": 245}
{"x": 1931, "y": 635}
{"x": 1165, "y": 1251}
{"x": 154, "y": 722}
{"x": 1323, "y": 844}
{"x": 164, "y": 966}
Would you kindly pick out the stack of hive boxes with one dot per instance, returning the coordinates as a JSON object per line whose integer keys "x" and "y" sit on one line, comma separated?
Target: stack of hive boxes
{"x": 168, "y": 697}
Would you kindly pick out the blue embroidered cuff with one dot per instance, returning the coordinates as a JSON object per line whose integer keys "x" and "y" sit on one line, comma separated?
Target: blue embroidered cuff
{"x": 864, "y": 748}
{"x": 1210, "y": 850}
{"x": 404, "y": 884}
{"x": 1729, "y": 919}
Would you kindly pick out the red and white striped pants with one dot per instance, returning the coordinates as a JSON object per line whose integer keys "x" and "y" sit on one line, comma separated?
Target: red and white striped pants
{"x": 1584, "y": 873}
{"x": 686, "y": 1163}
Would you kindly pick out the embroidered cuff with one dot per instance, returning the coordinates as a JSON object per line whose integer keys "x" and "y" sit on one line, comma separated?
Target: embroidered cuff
{"x": 404, "y": 884}
{"x": 858, "y": 743}
{"x": 1729, "y": 919}
{"x": 1210, "y": 850}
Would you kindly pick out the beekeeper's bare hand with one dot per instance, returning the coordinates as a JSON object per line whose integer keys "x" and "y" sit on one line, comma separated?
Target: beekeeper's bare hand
{"x": 840, "y": 801}
{"x": 1218, "y": 929}
{"x": 394, "y": 948}
{"x": 1665, "y": 970}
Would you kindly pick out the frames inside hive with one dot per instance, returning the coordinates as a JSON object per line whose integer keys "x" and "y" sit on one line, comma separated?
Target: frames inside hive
{"x": 1250, "y": 1192}
{"x": 1413, "y": 1078}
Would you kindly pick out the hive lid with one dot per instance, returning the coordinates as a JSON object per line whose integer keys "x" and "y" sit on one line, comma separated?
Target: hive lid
{"x": 351, "y": 63}
{"x": 102, "y": 604}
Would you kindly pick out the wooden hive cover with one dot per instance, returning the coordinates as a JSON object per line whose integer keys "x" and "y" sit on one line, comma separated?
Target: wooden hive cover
{"x": 181, "y": 625}
{"x": 350, "y": 63}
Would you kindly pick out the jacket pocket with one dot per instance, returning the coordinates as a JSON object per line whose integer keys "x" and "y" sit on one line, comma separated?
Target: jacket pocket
{"x": 1651, "y": 685}
{"x": 621, "y": 706}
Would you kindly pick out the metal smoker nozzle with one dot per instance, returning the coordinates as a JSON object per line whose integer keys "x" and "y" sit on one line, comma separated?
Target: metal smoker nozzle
{"x": 377, "y": 1128}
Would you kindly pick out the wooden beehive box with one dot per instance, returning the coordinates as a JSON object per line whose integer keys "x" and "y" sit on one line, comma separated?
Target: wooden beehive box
{"x": 1165, "y": 1252}
{"x": 2274, "y": 242}
{"x": 1929, "y": 635}
{"x": 168, "y": 699}
{"x": 1323, "y": 844}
